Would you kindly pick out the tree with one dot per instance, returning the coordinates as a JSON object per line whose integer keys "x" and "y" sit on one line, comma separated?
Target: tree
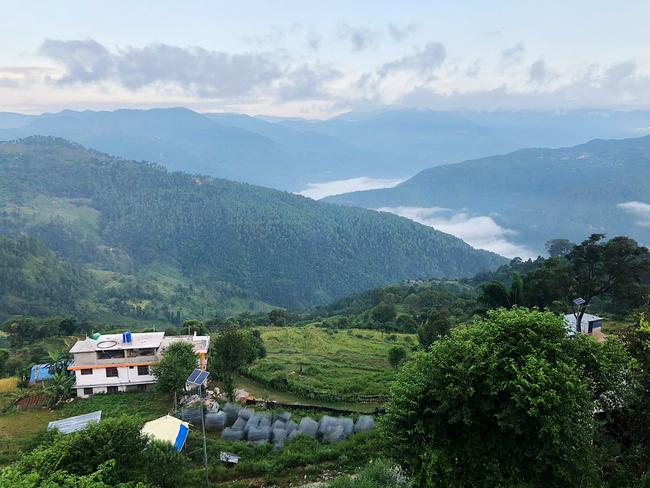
{"x": 384, "y": 313}
{"x": 177, "y": 362}
{"x": 559, "y": 247}
{"x": 504, "y": 402}
{"x": 278, "y": 316}
{"x": 4, "y": 357}
{"x": 111, "y": 453}
{"x": 396, "y": 356}
{"x": 232, "y": 349}
{"x": 616, "y": 267}
{"x": 59, "y": 387}
{"x": 194, "y": 326}
{"x": 438, "y": 324}
{"x": 58, "y": 361}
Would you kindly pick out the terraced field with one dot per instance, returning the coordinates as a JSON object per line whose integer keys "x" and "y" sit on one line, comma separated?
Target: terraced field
{"x": 329, "y": 365}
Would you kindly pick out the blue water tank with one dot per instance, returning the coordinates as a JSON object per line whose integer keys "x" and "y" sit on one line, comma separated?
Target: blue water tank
{"x": 128, "y": 336}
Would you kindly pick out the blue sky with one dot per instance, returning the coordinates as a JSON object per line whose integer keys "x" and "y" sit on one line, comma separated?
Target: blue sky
{"x": 317, "y": 59}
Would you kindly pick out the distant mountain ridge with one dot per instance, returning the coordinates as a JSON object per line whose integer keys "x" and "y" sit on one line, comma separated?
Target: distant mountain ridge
{"x": 538, "y": 193}
{"x": 280, "y": 248}
{"x": 290, "y": 153}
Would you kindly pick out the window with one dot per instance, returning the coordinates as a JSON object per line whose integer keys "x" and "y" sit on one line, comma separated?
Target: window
{"x": 143, "y": 370}
{"x": 143, "y": 387}
{"x": 112, "y": 389}
{"x": 88, "y": 391}
{"x": 111, "y": 373}
{"x": 86, "y": 371}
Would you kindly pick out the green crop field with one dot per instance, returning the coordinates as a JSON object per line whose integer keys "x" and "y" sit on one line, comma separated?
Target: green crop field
{"x": 331, "y": 365}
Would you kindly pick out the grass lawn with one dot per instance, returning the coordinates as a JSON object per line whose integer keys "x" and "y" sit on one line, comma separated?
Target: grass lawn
{"x": 18, "y": 430}
{"x": 349, "y": 366}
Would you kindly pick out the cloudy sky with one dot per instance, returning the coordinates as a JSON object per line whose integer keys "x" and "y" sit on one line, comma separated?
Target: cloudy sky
{"x": 321, "y": 58}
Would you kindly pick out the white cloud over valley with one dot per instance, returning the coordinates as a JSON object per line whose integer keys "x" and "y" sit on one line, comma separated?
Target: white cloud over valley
{"x": 478, "y": 231}
{"x": 640, "y": 210}
{"x": 329, "y": 188}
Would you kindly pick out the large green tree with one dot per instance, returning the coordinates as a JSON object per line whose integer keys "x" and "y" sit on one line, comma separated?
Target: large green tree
{"x": 177, "y": 362}
{"x": 232, "y": 349}
{"x": 437, "y": 325}
{"x": 507, "y": 401}
{"x": 615, "y": 267}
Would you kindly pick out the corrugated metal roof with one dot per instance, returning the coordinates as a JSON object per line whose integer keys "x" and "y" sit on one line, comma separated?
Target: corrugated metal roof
{"x": 74, "y": 424}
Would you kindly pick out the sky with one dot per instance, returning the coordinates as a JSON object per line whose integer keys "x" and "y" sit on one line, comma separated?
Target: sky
{"x": 318, "y": 59}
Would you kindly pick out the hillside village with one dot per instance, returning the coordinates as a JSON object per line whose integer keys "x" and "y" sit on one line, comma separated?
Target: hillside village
{"x": 324, "y": 244}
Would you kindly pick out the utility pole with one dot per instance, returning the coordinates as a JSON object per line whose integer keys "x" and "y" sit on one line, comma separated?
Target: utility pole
{"x": 205, "y": 449}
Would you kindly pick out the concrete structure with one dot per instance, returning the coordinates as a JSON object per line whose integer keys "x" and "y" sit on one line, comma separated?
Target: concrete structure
{"x": 114, "y": 363}
{"x": 590, "y": 324}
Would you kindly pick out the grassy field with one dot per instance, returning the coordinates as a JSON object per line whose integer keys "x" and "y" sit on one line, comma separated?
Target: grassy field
{"x": 328, "y": 365}
{"x": 19, "y": 430}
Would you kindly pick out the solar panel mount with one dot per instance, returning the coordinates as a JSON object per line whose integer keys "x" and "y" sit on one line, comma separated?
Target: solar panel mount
{"x": 197, "y": 377}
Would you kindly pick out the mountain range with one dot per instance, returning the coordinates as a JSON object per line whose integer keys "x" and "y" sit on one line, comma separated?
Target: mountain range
{"x": 291, "y": 154}
{"x": 532, "y": 195}
{"x": 135, "y": 225}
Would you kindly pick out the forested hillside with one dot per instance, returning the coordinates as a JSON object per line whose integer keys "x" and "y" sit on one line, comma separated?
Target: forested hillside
{"x": 136, "y": 218}
{"x": 540, "y": 194}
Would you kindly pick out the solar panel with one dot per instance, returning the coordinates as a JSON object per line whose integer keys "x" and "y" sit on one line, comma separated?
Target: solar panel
{"x": 579, "y": 301}
{"x": 197, "y": 377}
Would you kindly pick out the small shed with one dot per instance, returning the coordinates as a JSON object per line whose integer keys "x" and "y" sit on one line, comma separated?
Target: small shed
{"x": 39, "y": 374}
{"x": 168, "y": 429}
{"x": 589, "y": 324}
{"x": 75, "y": 424}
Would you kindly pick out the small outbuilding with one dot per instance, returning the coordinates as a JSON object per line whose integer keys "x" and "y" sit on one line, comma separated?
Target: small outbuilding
{"x": 168, "y": 429}
{"x": 588, "y": 325}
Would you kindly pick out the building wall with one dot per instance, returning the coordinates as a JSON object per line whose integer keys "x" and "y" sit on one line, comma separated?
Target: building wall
{"x": 126, "y": 375}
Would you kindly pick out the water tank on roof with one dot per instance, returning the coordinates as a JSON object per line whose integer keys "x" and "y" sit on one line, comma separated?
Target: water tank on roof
{"x": 126, "y": 337}
{"x": 95, "y": 336}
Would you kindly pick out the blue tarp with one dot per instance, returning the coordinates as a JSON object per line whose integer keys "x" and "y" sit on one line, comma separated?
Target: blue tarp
{"x": 40, "y": 372}
{"x": 180, "y": 439}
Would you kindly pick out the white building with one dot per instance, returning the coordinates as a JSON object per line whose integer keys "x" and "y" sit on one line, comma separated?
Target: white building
{"x": 112, "y": 363}
{"x": 590, "y": 324}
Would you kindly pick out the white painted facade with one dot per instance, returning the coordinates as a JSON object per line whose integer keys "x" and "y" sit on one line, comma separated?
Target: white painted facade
{"x": 112, "y": 364}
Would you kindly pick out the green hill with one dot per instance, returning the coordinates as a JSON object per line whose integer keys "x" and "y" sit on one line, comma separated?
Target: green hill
{"x": 539, "y": 194}
{"x": 137, "y": 219}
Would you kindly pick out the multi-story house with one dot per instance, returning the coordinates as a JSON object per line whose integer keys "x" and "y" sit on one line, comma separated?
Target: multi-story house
{"x": 112, "y": 363}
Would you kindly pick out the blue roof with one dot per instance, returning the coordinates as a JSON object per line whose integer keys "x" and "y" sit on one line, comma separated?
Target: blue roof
{"x": 40, "y": 372}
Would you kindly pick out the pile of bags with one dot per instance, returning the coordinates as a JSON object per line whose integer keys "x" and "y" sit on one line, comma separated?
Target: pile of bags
{"x": 244, "y": 424}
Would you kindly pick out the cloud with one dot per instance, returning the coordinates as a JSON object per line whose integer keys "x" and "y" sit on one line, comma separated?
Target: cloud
{"x": 480, "y": 231}
{"x": 513, "y": 56}
{"x": 195, "y": 70}
{"x": 83, "y": 61}
{"x": 538, "y": 73}
{"x": 329, "y": 188}
{"x": 640, "y": 210}
{"x": 313, "y": 40}
{"x": 307, "y": 82}
{"x": 401, "y": 33}
{"x": 360, "y": 38}
{"x": 423, "y": 62}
